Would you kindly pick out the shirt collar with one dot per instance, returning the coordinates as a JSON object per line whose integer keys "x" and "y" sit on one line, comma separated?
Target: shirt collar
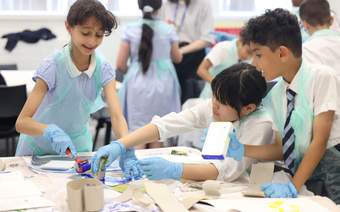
{"x": 73, "y": 70}
{"x": 294, "y": 84}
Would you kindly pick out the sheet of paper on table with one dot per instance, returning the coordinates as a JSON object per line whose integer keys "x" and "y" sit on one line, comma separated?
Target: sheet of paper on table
{"x": 16, "y": 193}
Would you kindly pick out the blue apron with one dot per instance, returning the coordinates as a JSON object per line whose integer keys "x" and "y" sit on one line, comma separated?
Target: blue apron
{"x": 70, "y": 110}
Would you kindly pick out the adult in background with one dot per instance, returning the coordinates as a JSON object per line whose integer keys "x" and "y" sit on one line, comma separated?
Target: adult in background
{"x": 193, "y": 20}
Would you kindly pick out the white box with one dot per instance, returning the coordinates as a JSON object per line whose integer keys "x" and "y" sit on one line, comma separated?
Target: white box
{"x": 217, "y": 141}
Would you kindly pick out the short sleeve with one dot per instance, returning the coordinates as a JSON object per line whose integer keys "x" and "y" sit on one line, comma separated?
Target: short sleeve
{"x": 46, "y": 72}
{"x": 326, "y": 94}
{"x": 173, "y": 35}
{"x": 108, "y": 74}
{"x": 218, "y": 53}
{"x": 125, "y": 35}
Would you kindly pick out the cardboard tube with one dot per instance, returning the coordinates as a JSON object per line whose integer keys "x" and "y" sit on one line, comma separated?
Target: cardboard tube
{"x": 93, "y": 196}
{"x": 85, "y": 195}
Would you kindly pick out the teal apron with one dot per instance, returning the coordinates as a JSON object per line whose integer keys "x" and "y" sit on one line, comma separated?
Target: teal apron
{"x": 302, "y": 116}
{"x": 70, "y": 110}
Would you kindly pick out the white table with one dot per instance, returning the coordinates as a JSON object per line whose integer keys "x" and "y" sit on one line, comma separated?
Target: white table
{"x": 19, "y": 77}
{"x": 53, "y": 187}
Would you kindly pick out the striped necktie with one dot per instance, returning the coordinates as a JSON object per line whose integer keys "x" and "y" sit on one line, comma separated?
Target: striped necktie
{"x": 288, "y": 133}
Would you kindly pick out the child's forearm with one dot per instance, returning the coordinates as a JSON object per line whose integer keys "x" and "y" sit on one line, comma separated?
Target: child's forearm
{"x": 119, "y": 126}
{"x": 30, "y": 127}
{"x": 199, "y": 172}
{"x": 266, "y": 152}
{"x": 144, "y": 135}
{"x": 308, "y": 164}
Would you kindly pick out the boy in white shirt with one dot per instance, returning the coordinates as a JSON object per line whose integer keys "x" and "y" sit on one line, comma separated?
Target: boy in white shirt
{"x": 322, "y": 47}
{"x": 303, "y": 104}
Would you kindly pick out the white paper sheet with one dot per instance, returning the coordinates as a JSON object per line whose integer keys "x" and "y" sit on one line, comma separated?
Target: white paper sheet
{"x": 58, "y": 165}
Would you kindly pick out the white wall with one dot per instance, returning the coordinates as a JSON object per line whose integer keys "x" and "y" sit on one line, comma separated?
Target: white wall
{"x": 29, "y": 56}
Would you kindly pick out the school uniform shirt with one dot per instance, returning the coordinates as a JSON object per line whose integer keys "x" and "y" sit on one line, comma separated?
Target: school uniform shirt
{"x": 255, "y": 129}
{"x": 223, "y": 55}
{"x": 323, "y": 48}
{"x": 322, "y": 95}
{"x": 194, "y": 22}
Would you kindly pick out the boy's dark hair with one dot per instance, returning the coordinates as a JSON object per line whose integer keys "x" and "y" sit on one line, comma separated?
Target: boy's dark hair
{"x": 239, "y": 85}
{"x": 315, "y": 12}
{"x": 273, "y": 29}
{"x": 187, "y": 2}
{"x": 81, "y": 10}
{"x": 145, "y": 46}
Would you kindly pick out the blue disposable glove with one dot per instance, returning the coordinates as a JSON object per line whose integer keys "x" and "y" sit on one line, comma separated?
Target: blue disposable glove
{"x": 111, "y": 151}
{"x": 156, "y": 168}
{"x": 279, "y": 190}
{"x": 130, "y": 166}
{"x": 235, "y": 148}
{"x": 59, "y": 140}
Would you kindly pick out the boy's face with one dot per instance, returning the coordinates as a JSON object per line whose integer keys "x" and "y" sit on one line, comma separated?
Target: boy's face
{"x": 266, "y": 60}
{"x": 87, "y": 36}
{"x": 222, "y": 112}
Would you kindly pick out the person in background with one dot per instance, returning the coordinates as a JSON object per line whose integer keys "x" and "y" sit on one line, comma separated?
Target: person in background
{"x": 237, "y": 91}
{"x": 150, "y": 86}
{"x": 322, "y": 47}
{"x": 193, "y": 20}
{"x": 68, "y": 88}
{"x": 305, "y": 35}
{"x": 304, "y": 106}
{"x": 223, "y": 55}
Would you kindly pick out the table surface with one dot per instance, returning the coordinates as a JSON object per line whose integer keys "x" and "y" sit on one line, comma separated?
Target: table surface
{"x": 53, "y": 185}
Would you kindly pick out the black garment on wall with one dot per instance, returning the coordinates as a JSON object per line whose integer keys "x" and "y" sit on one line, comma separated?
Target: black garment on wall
{"x": 27, "y": 36}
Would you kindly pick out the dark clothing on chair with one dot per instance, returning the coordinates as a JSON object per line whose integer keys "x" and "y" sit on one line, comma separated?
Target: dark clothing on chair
{"x": 27, "y": 36}
{"x": 186, "y": 73}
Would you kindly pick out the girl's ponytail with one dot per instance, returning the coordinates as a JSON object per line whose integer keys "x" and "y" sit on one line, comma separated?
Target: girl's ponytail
{"x": 146, "y": 47}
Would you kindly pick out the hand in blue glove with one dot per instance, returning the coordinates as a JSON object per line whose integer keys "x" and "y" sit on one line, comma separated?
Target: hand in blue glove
{"x": 130, "y": 166}
{"x": 279, "y": 190}
{"x": 111, "y": 151}
{"x": 235, "y": 148}
{"x": 156, "y": 168}
{"x": 59, "y": 140}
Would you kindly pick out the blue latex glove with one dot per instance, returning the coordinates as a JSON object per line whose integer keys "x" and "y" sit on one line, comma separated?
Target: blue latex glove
{"x": 130, "y": 166}
{"x": 111, "y": 151}
{"x": 279, "y": 190}
{"x": 156, "y": 168}
{"x": 235, "y": 149}
{"x": 59, "y": 140}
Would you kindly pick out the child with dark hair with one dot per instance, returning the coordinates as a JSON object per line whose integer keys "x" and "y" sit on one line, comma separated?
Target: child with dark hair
{"x": 237, "y": 91}
{"x": 303, "y": 104}
{"x": 68, "y": 88}
{"x": 222, "y": 56}
{"x": 150, "y": 86}
{"x": 323, "y": 45}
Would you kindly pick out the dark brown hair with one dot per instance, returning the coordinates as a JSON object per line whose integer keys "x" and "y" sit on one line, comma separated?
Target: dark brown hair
{"x": 81, "y": 10}
{"x": 145, "y": 46}
{"x": 315, "y": 12}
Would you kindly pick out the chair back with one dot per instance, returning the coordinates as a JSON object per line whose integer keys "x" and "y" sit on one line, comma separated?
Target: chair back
{"x": 12, "y": 99}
